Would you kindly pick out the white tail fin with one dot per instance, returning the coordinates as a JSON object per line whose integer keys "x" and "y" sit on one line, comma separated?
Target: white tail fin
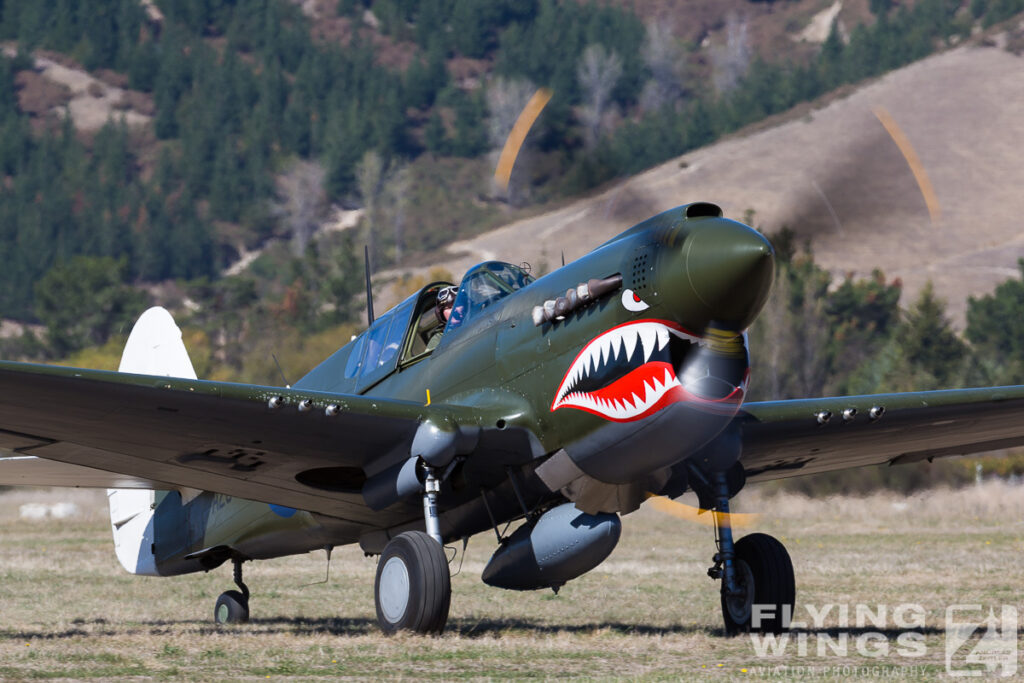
{"x": 154, "y": 348}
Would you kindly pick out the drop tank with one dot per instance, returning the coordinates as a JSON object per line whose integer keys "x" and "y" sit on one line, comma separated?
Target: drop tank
{"x": 561, "y": 545}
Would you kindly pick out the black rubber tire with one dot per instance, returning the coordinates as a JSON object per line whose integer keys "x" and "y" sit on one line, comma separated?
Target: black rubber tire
{"x": 774, "y": 584}
{"x": 429, "y": 585}
{"x": 232, "y": 608}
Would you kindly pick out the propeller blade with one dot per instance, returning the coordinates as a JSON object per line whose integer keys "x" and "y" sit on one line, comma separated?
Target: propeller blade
{"x": 737, "y": 520}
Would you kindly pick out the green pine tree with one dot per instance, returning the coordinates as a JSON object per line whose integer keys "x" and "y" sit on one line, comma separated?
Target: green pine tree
{"x": 928, "y": 339}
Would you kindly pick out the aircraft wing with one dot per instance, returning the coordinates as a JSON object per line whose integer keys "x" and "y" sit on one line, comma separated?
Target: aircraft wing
{"x": 211, "y": 436}
{"x": 28, "y": 470}
{"x": 786, "y": 438}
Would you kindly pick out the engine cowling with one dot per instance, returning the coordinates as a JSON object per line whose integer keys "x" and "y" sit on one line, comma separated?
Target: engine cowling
{"x": 561, "y": 545}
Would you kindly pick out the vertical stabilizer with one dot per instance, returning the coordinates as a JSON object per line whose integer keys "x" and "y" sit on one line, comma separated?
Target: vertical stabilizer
{"x": 154, "y": 348}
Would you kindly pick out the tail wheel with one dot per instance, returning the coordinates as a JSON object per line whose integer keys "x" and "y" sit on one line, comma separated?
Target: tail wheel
{"x": 764, "y": 573}
{"x": 232, "y": 608}
{"x": 413, "y": 587}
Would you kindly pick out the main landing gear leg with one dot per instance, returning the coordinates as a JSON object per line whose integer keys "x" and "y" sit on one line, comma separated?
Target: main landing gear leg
{"x": 758, "y": 587}
{"x": 431, "y": 487}
{"x": 413, "y": 588}
{"x": 233, "y": 606}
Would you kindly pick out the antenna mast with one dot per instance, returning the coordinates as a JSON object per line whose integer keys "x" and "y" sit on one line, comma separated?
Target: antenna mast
{"x": 369, "y": 289}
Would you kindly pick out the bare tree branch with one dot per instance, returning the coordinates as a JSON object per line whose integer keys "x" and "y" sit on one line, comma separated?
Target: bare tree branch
{"x": 506, "y": 99}
{"x": 370, "y": 180}
{"x": 666, "y": 61}
{"x": 301, "y": 201}
{"x": 396, "y": 188}
{"x": 598, "y": 72}
{"x": 729, "y": 62}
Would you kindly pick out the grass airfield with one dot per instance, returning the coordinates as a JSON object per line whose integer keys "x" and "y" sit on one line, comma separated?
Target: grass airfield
{"x": 70, "y": 611}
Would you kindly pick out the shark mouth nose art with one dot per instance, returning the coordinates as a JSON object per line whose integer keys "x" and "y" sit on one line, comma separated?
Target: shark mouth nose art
{"x": 629, "y": 373}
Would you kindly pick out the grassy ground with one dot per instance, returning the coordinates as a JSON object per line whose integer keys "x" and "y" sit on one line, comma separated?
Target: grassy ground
{"x": 69, "y": 611}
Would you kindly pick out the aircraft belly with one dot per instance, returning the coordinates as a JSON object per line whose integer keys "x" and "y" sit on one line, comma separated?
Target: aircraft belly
{"x": 251, "y": 529}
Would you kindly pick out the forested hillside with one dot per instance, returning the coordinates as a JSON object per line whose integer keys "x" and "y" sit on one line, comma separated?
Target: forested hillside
{"x": 245, "y": 129}
{"x": 262, "y": 119}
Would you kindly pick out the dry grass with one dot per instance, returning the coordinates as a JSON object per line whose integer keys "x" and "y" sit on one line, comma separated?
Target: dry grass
{"x": 649, "y": 611}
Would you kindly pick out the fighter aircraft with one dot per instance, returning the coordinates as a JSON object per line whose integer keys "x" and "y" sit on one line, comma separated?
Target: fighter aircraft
{"x": 561, "y": 402}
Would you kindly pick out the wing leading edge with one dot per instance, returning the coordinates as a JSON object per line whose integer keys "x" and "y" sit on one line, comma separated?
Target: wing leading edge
{"x": 214, "y": 436}
{"x": 794, "y": 438}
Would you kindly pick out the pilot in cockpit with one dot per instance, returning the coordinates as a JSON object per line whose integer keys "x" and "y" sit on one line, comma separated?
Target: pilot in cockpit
{"x": 445, "y": 301}
{"x": 443, "y": 311}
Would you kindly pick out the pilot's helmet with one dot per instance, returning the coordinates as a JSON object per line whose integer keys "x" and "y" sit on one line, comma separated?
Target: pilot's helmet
{"x": 445, "y": 301}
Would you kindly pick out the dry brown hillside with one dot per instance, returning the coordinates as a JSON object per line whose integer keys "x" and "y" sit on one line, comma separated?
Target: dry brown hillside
{"x": 775, "y": 29}
{"x": 961, "y": 111}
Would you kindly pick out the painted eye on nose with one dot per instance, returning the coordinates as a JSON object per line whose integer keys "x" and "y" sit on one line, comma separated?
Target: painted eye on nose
{"x": 632, "y": 301}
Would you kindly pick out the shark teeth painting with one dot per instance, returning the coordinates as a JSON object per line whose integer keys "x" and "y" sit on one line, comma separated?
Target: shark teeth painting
{"x": 629, "y": 372}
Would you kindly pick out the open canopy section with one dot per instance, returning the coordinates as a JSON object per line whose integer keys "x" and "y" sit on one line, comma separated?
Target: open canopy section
{"x": 484, "y": 285}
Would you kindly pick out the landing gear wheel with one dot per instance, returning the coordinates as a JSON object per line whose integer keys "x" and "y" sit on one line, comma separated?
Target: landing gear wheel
{"x": 764, "y": 573}
{"x": 232, "y": 608}
{"x": 413, "y": 588}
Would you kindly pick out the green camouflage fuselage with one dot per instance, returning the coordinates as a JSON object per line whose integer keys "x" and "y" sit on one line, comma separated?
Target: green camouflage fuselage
{"x": 699, "y": 276}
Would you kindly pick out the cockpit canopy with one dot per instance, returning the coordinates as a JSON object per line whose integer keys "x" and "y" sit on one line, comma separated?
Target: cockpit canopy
{"x": 411, "y": 331}
{"x": 484, "y": 285}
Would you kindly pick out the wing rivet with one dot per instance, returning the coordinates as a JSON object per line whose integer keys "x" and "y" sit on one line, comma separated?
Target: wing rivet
{"x": 876, "y": 412}
{"x": 332, "y": 410}
{"x": 304, "y": 405}
{"x": 823, "y": 416}
{"x": 275, "y": 402}
{"x": 849, "y": 414}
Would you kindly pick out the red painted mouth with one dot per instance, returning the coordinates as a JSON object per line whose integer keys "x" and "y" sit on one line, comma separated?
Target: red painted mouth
{"x": 628, "y": 373}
